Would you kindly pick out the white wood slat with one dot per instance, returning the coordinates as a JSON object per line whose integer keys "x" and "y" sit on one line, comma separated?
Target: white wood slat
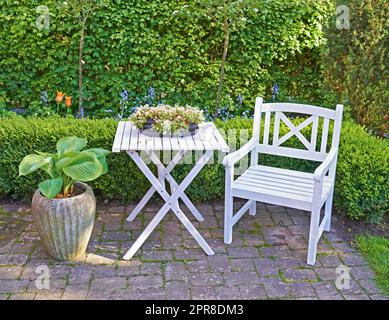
{"x": 222, "y": 143}
{"x": 182, "y": 143}
{"x": 286, "y": 172}
{"x": 299, "y": 187}
{"x": 158, "y": 143}
{"x": 294, "y": 182}
{"x": 214, "y": 143}
{"x": 314, "y": 133}
{"x": 324, "y": 135}
{"x": 118, "y": 137}
{"x": 197, "y": 141}
{"x": 175, "y": 144}
{"x": 189, "y": 142}
{"x": 150, "y": 143}
{"x": 260, "y": 189}
{"x": 280, "y": 201}
{"x": 141, "y": 141}
{"x": 126, "y": 136}
{"x": 207, "y": 144}
{"x": 166, "y": 144}
{"x": 292, "y": 153}
{"x": 267, "y": 128}
{"x": 276, "y": 128}
{"x": 299, "y": 108}
{"x": 134, "y": 138}
{"x": 279, "y": 187}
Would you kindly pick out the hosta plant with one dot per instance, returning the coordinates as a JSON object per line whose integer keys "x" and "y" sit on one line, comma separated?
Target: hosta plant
{"x": 70, "y": 164}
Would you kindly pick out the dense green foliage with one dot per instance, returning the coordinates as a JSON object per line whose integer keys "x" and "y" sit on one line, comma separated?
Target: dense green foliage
{"x": 376, "y": 251}
{"x": 356, "y": 62}
{"x": 362, "y": 187}
{"x": 173, "y": 46}
{"x": 69, "y": 164}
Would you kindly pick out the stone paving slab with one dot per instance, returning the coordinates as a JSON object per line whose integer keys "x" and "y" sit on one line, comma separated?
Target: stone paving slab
{"x": 266, "y": 260}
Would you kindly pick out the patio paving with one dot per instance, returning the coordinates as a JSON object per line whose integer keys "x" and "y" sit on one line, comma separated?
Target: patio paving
{"x": 266, "y": 260}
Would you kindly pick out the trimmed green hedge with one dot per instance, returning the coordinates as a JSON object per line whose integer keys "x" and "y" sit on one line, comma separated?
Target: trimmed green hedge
{"x": 362, "y": 188}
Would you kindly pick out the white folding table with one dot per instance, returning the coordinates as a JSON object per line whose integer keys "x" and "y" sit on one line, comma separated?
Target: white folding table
{"x": 129, "y": 139}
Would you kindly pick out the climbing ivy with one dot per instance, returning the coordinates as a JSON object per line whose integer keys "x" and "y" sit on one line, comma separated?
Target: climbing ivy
{"x": 141, "y": 44}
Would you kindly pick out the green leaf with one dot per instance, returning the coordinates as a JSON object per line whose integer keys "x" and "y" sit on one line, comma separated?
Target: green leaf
{"x": 51, "y": 187}
{"x": 32, "y": 163}
{"x": 69, "y": 144}
{"x": 65, "y": 160}
{"x": 85, "y": 167}
{"x": 99, "y": 151}
{"x": 101, "y": 154}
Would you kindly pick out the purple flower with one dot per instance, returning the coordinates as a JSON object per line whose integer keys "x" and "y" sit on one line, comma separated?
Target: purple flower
{"x": 240, "y": 99}
{"x": 124, "y": 95}
{"x": 275, "y": 91}
{"x": 44, "y": 97}
{"x": 151, "y": 92}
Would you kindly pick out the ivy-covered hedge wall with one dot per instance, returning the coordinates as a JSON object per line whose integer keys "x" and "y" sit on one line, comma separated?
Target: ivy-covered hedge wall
{"x": 172, "y": 46}
{"x": 356, "y": 63}
{"x": 362, "y": 185}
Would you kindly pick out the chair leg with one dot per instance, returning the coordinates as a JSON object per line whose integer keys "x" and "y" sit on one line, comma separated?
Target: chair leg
{"x": 328, "y": 211}
{"x": 228, "y": 214}
{"x": 253, "y": 209}
{"x": 313, "y": 236}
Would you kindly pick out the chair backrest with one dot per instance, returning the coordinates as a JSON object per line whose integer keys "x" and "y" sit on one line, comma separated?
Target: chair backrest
{"x": 312, "y": 149}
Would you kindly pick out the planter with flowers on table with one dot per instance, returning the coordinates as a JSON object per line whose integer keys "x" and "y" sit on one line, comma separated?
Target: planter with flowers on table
{"x": 168, "y": 121}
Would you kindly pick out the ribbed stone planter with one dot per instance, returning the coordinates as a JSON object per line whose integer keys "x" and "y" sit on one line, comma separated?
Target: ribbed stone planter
{"x": 65, "y": 225}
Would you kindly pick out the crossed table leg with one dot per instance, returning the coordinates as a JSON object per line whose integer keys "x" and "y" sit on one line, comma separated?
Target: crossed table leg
{"x": 171, "y": 201}
{"x": 164, "y": 173}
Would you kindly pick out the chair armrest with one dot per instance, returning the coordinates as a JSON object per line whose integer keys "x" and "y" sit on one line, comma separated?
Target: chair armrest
{"x": 234, "y": 157}
{"x": 325, "y": 166}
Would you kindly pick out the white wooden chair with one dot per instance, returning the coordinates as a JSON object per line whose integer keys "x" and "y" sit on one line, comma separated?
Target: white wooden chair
{"x": 294, "y": 189}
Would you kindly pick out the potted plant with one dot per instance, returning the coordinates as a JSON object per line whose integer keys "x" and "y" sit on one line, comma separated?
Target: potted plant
{"x": 166, "y": 120}
{"x": 64, "y": 205}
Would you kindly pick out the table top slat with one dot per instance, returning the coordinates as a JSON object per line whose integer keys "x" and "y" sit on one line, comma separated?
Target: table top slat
{"x": 175, "y": 144}
{"x": 166, "y": 143}
{"x": 134, "y": 138}
{"x": 158, "y": 143}
{"x": 183, "y": 144}
{"x": 129, "y": 138}
{"x": 224, "y": 146}
{"x": 198, "y": 143}
{"x": 118, "y": 137}
{"x": 190, "y": 143}
{"x": 126, "y": 136}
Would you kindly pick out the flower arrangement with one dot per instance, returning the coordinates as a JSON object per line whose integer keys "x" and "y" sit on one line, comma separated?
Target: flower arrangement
{"x": 166, "y": 119}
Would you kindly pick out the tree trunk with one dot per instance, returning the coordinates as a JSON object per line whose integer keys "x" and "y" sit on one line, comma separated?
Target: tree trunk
{"x": 226, "y": 29}
{"x": 80, "y": 70}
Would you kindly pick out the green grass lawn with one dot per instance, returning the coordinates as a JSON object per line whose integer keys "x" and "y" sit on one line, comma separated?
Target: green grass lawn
{"x": 376, "y": 251}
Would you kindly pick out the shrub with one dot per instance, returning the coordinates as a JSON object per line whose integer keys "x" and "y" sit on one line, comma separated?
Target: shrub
{"x": 356, "y": 60}
{"x": 362, "y": 187}
{"x": 170, "y": 45}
